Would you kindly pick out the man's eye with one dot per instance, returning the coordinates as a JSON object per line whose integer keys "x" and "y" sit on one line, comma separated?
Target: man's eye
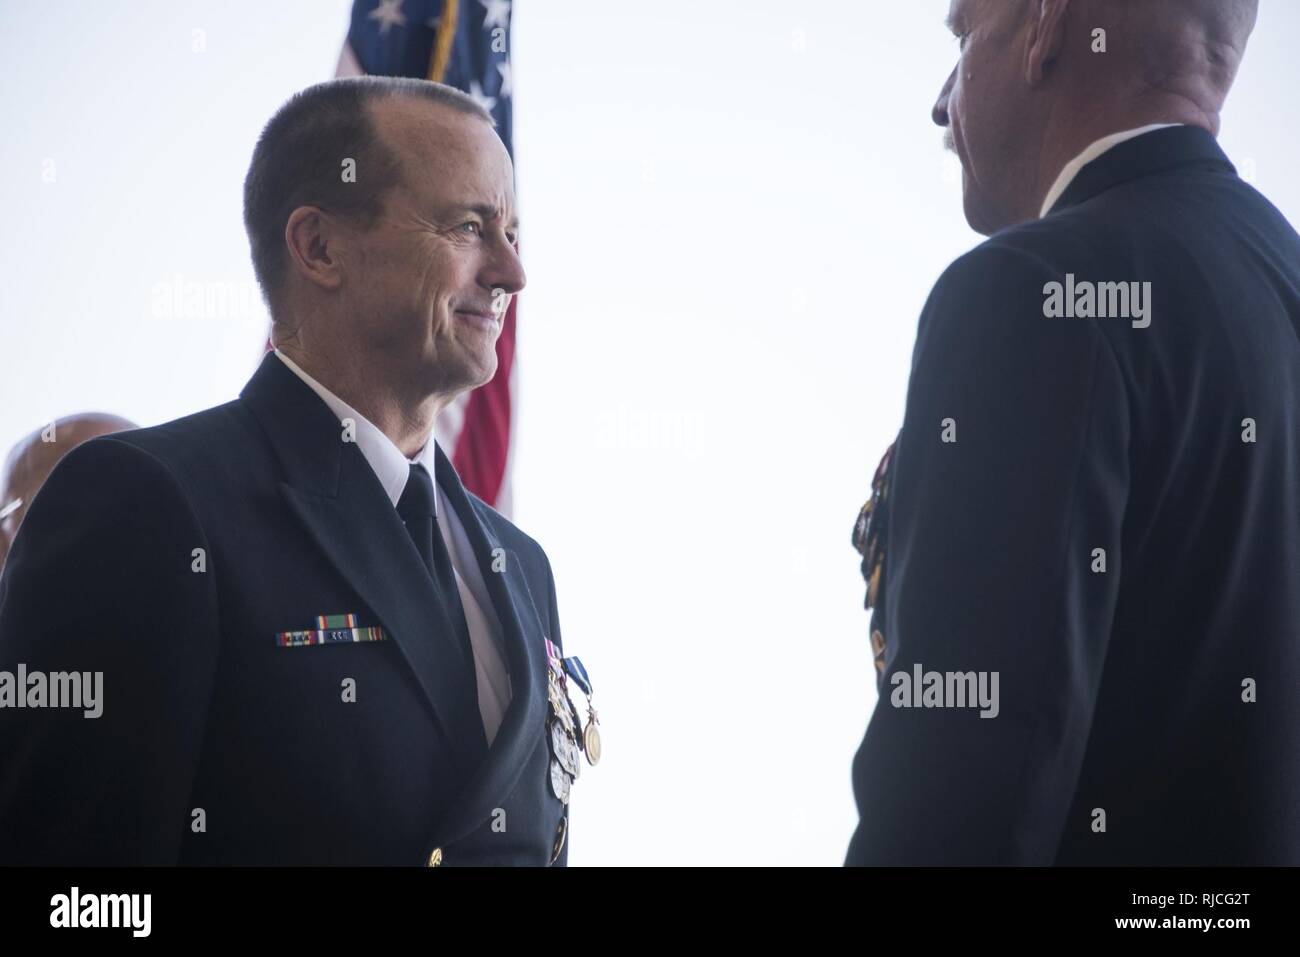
{"x": 471, "y": 228}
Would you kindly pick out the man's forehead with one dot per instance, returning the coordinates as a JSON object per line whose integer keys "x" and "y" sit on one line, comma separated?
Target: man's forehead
{"x": 426, "y": 131}
{"x": 966, "y": 13}
{"x": 421, "y": 125}
{"x": 450, "y": 152}
{"x": 465, "y": 192}
{"x": 972, "y": 13}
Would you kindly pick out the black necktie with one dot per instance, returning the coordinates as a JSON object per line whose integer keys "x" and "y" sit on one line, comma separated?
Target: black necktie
{"x": 417, "y": 509}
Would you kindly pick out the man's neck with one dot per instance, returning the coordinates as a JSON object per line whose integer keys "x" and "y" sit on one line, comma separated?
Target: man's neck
{"x": 408, "y": 423}
{"x": 1073, "y": 131}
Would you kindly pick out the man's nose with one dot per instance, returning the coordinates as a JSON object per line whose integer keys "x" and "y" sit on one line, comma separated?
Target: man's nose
{"x": 505, "y": 271}
{"x": 939, "y": 112}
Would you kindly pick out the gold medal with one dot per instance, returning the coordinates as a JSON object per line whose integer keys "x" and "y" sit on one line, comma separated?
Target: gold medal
{"x": 591, "y": 739}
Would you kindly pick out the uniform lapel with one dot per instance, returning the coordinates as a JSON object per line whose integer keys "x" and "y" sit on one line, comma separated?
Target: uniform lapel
{"x": 333, "y": 491}
{"x": 523, "y": 632}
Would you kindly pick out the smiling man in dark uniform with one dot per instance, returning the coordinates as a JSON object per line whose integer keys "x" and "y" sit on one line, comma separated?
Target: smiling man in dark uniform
{"x": 1082, "y": 550}
{"x": 316, "y": 646}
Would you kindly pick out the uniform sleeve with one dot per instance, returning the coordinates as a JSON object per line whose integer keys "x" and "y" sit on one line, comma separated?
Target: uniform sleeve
{"x": 1011, "y": 471}
{"x": 101, "y": 581}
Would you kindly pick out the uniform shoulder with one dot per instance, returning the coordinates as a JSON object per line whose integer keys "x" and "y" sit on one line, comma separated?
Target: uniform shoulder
{"x": 1007, "y": 254}
{"x": 1006, "y": 270}
{"x": 509, "y": 534}
{"x": 166, "y": 439}
{"x": 215, "y": 441}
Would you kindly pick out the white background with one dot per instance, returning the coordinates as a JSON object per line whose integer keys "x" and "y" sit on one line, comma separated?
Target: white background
{"x": 732, "y": 214}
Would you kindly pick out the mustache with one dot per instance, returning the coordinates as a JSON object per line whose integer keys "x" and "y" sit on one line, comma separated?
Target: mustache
{"x": 948, "y": 142}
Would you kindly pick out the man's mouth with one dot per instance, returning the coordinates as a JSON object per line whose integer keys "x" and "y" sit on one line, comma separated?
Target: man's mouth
{"x": 484, "y": 318}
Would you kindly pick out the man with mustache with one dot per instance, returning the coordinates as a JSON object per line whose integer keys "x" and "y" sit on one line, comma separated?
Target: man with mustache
{"x": 1093, "y": 501}
{"x": 316, "y": 646}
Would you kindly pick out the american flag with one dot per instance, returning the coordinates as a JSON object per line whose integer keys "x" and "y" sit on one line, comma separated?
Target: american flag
{"x": 465, "y": 44}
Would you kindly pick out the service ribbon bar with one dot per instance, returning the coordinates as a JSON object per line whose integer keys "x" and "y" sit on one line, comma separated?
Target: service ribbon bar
{"x": 297, "y": 639}
{"x": 329, "y": 636}
{"x": 327, "y": 622}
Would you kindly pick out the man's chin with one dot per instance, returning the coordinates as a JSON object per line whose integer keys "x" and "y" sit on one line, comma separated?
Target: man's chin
{"x": 977, "y": 216}
{"x": 478, "y": 375}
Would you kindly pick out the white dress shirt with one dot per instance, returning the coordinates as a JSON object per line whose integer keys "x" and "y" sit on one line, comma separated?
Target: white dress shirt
{"x": 1093, "y": 151}
{"x": 393, "y": 469}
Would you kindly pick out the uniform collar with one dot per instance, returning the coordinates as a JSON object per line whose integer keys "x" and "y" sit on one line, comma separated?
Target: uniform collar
{"x": 390, "y": 465}
{"x": 1092, "y": 152}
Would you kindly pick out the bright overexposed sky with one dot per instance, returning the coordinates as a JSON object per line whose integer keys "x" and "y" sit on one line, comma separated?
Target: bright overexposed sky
{"x": 732, "y": 213}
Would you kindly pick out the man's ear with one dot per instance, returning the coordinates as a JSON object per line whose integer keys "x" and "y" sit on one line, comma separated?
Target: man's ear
{"x": 1046, "y": 37}
{"x": 312, "y": 237}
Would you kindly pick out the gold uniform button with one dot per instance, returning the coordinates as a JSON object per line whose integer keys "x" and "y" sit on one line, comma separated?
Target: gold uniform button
{"x": 435, "y": 859}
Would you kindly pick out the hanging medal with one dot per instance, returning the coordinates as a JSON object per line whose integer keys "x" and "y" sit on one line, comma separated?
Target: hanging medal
{"x": 565, "y": 749}
{"x": 870, "y": 533}
{"x": 561, "y": 730}
{"x": 560, "y": 781}
{"x": 561, "y": 711}
{"x": 558, "y": 690}
{"x": 591, "y": 734}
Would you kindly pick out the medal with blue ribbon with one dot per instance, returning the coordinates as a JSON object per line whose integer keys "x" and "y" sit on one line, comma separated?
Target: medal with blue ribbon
{"x": 575, "y": 669}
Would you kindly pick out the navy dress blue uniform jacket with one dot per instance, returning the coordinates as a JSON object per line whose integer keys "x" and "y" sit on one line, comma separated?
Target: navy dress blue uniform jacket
{"x": 203, "y": 710}
{"x": 1125, "y": 691}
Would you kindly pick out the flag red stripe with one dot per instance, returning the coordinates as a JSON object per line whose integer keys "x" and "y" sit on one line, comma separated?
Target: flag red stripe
{"x": 484, "y": 440}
